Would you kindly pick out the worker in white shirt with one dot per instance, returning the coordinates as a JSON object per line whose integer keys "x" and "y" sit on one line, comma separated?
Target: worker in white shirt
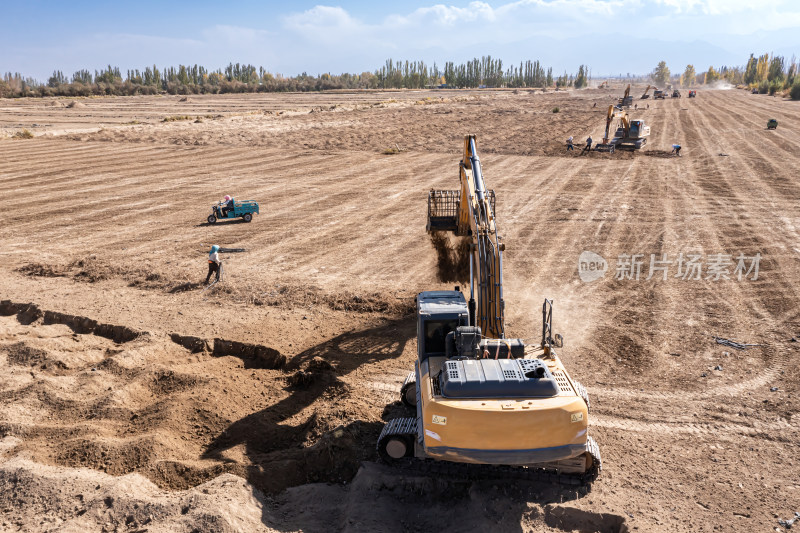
{"x": 214, "y": 262}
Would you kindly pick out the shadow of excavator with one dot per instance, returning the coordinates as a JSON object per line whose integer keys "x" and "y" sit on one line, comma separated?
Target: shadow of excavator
{"x": 278, "y": 458}
{"x": 277, "y": 455}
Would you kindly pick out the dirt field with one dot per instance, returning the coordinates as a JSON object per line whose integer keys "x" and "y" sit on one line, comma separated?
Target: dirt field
{"x": 133, "y": 401}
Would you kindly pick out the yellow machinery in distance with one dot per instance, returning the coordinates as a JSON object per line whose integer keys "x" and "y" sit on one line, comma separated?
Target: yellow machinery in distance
{"x": 629, "y": 135}
{"x": 627, "y": 99}
{"x": 479, "y": 396}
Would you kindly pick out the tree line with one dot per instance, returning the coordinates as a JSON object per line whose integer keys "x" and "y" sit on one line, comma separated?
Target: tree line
{"x": 240, "y": 78}
{"x": 768, "y": 74}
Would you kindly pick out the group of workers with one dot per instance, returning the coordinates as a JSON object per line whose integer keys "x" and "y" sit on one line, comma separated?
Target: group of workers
{"x": 571, "y": 144}
{"x": 676, "y": 148}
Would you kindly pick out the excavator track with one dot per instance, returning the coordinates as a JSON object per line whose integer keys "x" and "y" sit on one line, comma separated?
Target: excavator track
{"x": 408, "y": 392}
{"x": 404, "y": 430}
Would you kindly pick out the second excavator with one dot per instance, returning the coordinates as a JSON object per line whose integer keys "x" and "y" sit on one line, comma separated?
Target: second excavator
{"x": 627, "y": 99}
{"x": 479, "y": 396}
{"x": 629, "y": 135}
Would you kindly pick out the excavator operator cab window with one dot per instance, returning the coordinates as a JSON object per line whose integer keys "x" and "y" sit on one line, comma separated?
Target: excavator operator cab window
{"x": 435, "y": 333}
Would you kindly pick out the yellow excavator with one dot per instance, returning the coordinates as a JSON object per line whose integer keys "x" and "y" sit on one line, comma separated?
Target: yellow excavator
{"x": 645, "y": 96}
{"x": 627, "y": 99}
{"x": 479, "y": 396}
{"x": 629, "y": 135}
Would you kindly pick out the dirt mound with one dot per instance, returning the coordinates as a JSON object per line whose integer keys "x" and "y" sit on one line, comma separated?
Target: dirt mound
{"x": 75, "y": 104}
{"x": 657, "y": 153}
{"x": 40, "y": 270}
{"x": 186, "y": 99}
{"x": 22, "y": 354}
{"x": 45, "y": 498}
{"x": 91, "y": 269}
{"x": 317, "y": 370}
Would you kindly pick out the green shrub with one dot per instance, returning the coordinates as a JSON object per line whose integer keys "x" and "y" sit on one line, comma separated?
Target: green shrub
{"x": 794, "y": 92}
{"x": 23, "y": 134}
{"x": 774, "y": 87}
{"x": 763, "y": 87}
{"x": 176, "y": 118}
{"x": 556, "y": 110}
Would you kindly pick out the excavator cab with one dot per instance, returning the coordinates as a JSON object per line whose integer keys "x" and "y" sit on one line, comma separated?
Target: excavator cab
{"x": 438, "y": 314}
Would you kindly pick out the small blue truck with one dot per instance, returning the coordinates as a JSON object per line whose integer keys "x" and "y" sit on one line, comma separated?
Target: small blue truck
{"x": 241, "y": 209}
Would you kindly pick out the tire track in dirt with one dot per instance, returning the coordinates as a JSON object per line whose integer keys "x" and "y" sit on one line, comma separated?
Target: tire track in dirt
{"x": 781, "y": 179}
{"x": 758, "y": 429}
{"x": 776, "y": 365}
{"x": 754, "y": 132}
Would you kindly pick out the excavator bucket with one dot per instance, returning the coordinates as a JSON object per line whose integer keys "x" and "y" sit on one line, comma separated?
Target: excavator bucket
{"x": 443, "y": 209}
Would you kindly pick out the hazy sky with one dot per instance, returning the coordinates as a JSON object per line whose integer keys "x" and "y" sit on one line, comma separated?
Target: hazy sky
{"x": 611, "y": 36}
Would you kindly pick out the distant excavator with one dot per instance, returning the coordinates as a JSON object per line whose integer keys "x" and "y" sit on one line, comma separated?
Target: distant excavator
{"x": 629, "y": 135}
{"x": 645, "y": 96}
{"x": 481, "y": 397}
{"x": 627, "y": 99}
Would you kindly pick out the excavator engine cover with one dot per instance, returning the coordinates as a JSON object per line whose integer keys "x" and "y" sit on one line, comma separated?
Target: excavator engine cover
{"x": 497, "y": 378}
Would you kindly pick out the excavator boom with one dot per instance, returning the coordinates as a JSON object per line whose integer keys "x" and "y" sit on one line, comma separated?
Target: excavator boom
{"x": 469, "y": 212}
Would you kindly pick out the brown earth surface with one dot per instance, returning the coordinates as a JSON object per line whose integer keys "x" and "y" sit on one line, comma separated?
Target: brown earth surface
{"x": 132, "y": 400}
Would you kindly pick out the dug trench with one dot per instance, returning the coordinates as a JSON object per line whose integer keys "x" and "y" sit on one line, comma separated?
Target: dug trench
{"x": 181, "y": 409}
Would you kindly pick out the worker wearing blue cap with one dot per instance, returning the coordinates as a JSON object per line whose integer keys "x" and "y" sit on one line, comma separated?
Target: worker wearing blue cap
{"x": 213, "y": 262}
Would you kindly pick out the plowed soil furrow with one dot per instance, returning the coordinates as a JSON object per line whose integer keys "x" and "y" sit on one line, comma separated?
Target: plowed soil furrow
{"x": 695, "y": 435}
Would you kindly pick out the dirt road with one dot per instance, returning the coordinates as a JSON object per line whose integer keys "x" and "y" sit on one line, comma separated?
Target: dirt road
{"x": 134, "y": 396}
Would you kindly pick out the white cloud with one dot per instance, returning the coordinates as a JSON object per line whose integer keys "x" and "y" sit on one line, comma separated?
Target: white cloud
{"x": 234, "y": 34}
{"x": 321, "y": 18}
{"x": 561, "y": 33}
{"x": 450, "y": 15}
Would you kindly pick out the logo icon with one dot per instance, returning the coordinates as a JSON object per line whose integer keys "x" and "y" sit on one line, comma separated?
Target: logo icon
{"x": 591, "y": 266}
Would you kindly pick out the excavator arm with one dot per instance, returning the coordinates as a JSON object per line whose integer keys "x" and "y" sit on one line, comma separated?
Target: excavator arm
{"x": 609, "y": 120}
{"x": 486, "y": 257}
{"x": 470, "y": 212}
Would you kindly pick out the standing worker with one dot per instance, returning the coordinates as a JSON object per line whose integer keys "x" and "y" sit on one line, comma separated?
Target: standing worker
{"x": 214, "y": 263}
{"x": 588, "y": 145}
{"x": 570, "y": 146}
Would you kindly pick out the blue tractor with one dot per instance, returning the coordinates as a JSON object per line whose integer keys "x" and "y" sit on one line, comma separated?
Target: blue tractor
{"x": 234, "y": 209}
